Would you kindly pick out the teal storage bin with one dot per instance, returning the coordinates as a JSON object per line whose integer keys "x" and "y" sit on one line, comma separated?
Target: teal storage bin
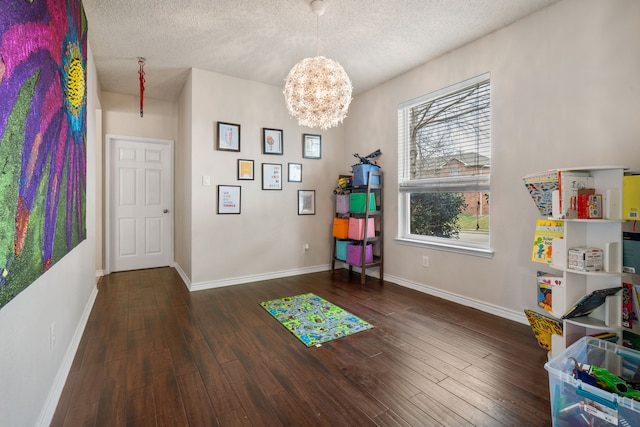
{"x": 356, "y": 202}
{"x": 341, "y": 249}
{"x": 361, "y": 174}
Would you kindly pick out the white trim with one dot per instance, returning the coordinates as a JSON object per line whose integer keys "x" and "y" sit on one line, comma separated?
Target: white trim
{"x": 107, "y": 192}
{"x": 49, "y": 408}
{"x": 253, "y": 278}
{"x": 459, "y": 299}
{"x": 466, "y": 248}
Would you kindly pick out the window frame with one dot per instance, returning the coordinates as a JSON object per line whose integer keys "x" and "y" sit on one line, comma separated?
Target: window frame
{"x": 406, "y": 186}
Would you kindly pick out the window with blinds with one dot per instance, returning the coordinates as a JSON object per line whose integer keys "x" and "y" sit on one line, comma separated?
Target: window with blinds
{"x": 445, "y": 166}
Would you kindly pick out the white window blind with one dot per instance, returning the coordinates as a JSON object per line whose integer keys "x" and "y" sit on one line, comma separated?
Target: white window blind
{"x": 445, "y": 147}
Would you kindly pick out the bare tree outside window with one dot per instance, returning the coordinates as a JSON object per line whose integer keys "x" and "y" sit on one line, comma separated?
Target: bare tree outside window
{"x": 447, "y": 150}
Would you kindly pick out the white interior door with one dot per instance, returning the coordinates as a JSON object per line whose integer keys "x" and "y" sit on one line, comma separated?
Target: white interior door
{"x": 140, "y": 203}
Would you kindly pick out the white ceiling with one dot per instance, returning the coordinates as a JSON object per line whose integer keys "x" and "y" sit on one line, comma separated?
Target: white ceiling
{"x": 260, "y": 40}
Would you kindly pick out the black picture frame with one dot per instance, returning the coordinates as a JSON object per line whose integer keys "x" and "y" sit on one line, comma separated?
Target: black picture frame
{"x": 245, "y": 170}
{"x": 272, "y": 141}
{"x": 311, "y": 146}
{"x": 306, "y": 202}
{"x": 294, "y": 172}
{"x": 272, "y": 176}
{"x": 229, "y": 199}
{"x": 227, "y": 136}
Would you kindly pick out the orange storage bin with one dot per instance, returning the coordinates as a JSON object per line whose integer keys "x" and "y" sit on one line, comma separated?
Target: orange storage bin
{"x": 340, "y": 228}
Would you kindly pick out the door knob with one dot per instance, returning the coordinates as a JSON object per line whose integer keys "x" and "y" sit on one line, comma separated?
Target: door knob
{"x": 165, "y": 211}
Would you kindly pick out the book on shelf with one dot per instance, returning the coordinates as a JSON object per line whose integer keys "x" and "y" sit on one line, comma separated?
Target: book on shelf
{"x": 630, "y": 339}
{"x": 635, "y": 290}
{"x": 546, "y": 283}
{"x": 627, "y": 305}
{"x": 569, "y": 185}
{"x": 541, "y": 186}
{"x": 546, "y": 231}
{"x": 631, "y": 252}
{"x": 588, "y": 303}
{"x": 543, "y": 327}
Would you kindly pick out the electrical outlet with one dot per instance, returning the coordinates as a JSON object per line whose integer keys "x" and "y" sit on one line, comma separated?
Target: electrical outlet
{"x": 305, "y": 248}
{"x": 425, "y": 261}
{"x": 52, "y": 335}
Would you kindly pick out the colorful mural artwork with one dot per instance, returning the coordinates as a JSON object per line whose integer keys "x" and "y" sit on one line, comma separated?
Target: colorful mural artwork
{"x": 43, "y": 48}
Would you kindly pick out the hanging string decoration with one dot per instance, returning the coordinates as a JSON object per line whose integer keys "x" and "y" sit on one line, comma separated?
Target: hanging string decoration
{"x": 141, "y": 74}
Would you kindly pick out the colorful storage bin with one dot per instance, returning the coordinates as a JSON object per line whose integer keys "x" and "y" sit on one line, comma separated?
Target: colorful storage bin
{"x": 574, "y": 400}
{"x": 342, "y": 203}
{"x": 356, "y": 202}
{"x": 354, "y": 254}
{"x": 340, "y": 228}
{"x": 361, "y": 174}
{"x": 341, "y": 249}
{"x": 356, "y": 228}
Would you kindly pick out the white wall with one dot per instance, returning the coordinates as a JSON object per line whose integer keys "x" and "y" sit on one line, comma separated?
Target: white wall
{"x": 31, "y": 373}
{"x": 121, "y": 116}
{"x": 182, "y": 197}
{"x": 267, "y": 237}
{"x": 565, "y": 92}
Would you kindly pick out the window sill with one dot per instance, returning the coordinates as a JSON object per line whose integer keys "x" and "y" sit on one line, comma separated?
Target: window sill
{"x": 455, "y": 248}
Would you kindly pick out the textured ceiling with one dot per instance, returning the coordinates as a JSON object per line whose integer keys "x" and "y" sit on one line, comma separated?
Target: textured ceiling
{"x": 374, "y": 40}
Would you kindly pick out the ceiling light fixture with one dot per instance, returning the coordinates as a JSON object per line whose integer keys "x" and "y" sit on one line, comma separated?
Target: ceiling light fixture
{"x": 141, "y": 78}
{"x": 317, "y": 90}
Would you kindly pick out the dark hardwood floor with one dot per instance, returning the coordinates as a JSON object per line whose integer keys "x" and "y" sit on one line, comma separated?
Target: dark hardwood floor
{"x": 154, "y": 354}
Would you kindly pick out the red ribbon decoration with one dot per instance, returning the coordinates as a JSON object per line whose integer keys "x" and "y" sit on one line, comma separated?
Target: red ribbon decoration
{"x": 141, "y": 74}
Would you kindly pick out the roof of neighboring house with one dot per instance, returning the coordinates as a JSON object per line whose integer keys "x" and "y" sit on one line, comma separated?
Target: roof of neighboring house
{"x": 470, "y": 159}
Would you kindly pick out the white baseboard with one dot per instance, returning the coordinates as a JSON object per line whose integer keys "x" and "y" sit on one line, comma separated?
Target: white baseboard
{"x": 248, "y": 279}
{"x": 459, "y": 299}
{"x": 49, "y": 409}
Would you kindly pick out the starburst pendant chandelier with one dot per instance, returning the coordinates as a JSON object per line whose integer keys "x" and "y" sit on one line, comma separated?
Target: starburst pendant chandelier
{"x": 317, "y": 90}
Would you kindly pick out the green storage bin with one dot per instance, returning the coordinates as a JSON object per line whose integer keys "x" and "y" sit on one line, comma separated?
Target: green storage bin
{"x": 356, "y": 202}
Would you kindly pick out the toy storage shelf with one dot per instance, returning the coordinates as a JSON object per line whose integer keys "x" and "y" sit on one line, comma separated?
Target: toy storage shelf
{"x": 372, "y": 217}
{"x": 605, "y": 234}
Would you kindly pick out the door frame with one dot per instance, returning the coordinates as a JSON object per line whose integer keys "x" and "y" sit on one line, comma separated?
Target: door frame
{"x": 109, "y": 141}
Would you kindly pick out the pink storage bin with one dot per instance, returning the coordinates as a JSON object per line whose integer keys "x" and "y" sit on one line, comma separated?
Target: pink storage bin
{"x": 354, "y": 254}
{"x": 356, "y": 228}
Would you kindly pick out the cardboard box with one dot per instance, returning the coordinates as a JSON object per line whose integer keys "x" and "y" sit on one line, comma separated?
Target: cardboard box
{"x": 356, "y": 228}
{"x": 354, "y": 254}
{"x": 585, "y": 259}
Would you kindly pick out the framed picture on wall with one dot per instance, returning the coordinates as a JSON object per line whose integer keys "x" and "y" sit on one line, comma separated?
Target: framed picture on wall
{"x": 272, "y": 141}
{"x": 306, "y": 202}
{"x": 295, "y": 172}
{"x": 245, "y": 169}
{"x": 271, "y": 176}
{"x": 228, "y": 137}
{"x": 229, "y": 199}
{"x": 311, "y": 146}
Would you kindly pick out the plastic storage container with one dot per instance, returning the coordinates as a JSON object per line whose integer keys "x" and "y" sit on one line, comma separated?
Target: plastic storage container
{"x": 361, "y": 174}
{"x": 578, "y": 403}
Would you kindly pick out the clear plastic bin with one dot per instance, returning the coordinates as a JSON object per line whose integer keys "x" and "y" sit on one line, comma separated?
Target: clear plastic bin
{"x": 577, "y": 403}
